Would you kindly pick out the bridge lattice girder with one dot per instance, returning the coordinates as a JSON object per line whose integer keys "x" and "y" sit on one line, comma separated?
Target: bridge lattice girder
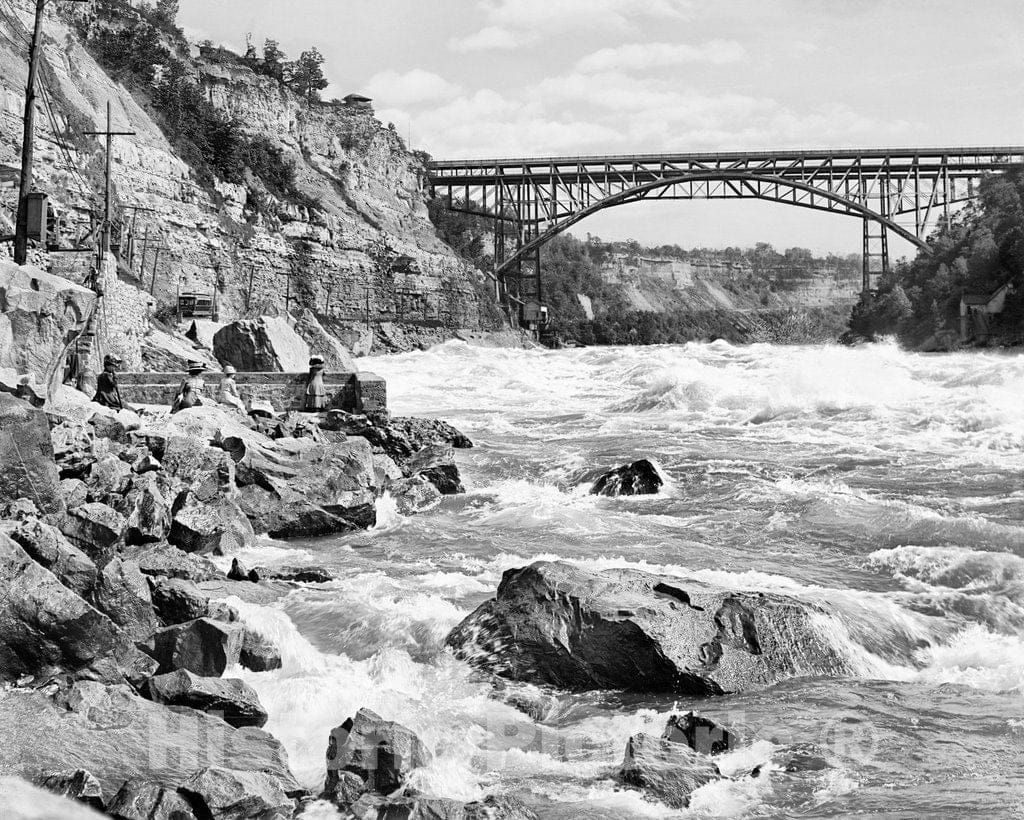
{"x": 897, "y": 190}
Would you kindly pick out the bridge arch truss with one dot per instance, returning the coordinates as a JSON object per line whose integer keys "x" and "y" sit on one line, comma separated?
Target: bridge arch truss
{"x": 900, "y": 192}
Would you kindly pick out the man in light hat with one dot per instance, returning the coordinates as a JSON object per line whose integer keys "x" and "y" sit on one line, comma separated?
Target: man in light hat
{"x": 107, "y": 392}
{"x": 227, "y": 393}
{"x": 191, "y": 388}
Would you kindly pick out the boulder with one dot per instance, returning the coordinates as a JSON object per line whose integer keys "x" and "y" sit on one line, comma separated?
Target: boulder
{"x": 26, "y": 453}
{"x": 96, "y": 529}
{"x": 39, "y": 315}
{"x": 166, "y": 561}
{"x": 23, "y": 801}
{"x": 122, "y": 593}
{"x": 185, "y": 457}
{"x": 259, "y": 654}
{"x": 579, "y": 629}
{"x": 639, "y": 478}
{"x": 701, "y": 734}
{"x": 301, "y": 488}
{"x": 336, "y": 357}
{"x": 178, "y": 601}
{"x": 73, "y": 450}
{"x": 145, "y": 800}
{"x": 148, "y": 511}
{"x": 239, "y": 572}
{"x": 417, "y": 807}
{"x": 420, "y": 432}
{"x": 109, "y": 476}
{"x": 345, "y": 789}
{"x": 300, "y": 575}
{"x": 229, "y": 698}
{"x": 217, "y": 527}
{"x": 414, "y": 495}
{"x": 110, "y": 427}
{"x": 379, "y": 751}
{"x": 499, "y": 807}
{"x": 203, "y": 646}
{"x": 119, "y": 736}
{"x": 266, "y": 344}
{"x": 445, "y": 478}
{"x": 224, "y": 794}
{"x": 76, "y": 784}
{"x": 669, "y": 772}
{"x": 46, "y": 629}
{"x": 50, "y": 549}
{"x": 73, "y": 492}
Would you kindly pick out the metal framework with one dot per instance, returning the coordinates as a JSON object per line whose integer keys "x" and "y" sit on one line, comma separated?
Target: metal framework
{"x": 893, "y": 191}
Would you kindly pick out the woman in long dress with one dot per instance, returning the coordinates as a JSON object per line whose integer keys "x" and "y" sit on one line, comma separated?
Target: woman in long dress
{"x": 191, "y": 390}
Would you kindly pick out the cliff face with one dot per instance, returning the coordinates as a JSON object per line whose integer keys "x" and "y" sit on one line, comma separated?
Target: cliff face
{"x": 356, "y": 241}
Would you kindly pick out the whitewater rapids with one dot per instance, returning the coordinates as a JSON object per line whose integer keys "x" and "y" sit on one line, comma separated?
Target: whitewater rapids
{"x": 888, "y": 485}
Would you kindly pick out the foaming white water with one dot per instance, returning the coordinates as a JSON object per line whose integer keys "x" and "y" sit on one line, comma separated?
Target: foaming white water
{"x": 880, "y": 488}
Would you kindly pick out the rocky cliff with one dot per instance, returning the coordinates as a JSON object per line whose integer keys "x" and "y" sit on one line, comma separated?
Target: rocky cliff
{"x": 352, "y": 241}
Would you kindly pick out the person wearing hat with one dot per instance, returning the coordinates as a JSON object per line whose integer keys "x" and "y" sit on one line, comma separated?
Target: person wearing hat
{"x": 107, "y": 392}
{"x": 227, "y": 393}
{"x": 316, "y": 393}
{"x": 191, "y": 388}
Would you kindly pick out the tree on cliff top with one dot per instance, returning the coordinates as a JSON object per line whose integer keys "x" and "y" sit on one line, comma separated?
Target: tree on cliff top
{"x": 307, "y": 75}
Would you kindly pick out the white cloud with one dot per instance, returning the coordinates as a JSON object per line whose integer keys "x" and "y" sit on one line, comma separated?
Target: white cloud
{"x": 643, "y": 56}
{"x": 488, "y": 38}
{"x": 389, "y": 88}
{"x": 514, "y": 23}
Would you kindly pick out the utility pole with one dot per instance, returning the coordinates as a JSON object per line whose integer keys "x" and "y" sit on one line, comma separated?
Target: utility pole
{"x": 28, "y": 136}
{"x": 109, "y": 134}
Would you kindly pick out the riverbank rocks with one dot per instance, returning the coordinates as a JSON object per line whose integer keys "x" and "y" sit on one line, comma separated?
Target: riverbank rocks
{"x": 119, "y": 737}
{"x": 39, "y": 314}
{"x": 301, "y": 488}
{"x": 669, "y": 772}
{"x": 578, "y": 629}
{"x": 46, "y": 629}
{"x": 258, "y": 654}
{"x": 122, "y": 593}
{"x": 96, "y": 529}
{"x": 144, "y": 800}
{"x": 380, "y": 752}
{"x": 76, "y": 784}
{"x": 228, "y": 698}
{"x": 26, "y": 453}
{"x": 51, "y": 550}
{"x": 639, "y": 478}
{"x": 204, "y": 646}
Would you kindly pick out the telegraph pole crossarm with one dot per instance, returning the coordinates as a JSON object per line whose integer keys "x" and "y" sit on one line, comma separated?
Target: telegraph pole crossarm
{"x": 109, "y": 133}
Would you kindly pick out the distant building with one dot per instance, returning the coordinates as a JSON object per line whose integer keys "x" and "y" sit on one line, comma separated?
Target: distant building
{"x": 357, "y": 101}
{"x": 976, "y": 311}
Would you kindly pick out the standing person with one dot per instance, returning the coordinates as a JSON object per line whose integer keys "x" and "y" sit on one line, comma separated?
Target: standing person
{"x": 107, "y": 392}
{"x": 191, "y": 388}
{"x": 227, "y": 393}
{"x": 316, "y": 393}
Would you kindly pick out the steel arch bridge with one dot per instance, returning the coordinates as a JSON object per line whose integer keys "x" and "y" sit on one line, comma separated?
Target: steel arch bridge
{"x": 900, "y": 191}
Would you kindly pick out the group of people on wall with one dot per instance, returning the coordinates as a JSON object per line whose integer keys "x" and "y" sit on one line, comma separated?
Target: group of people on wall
{"x": 192, "y": 393}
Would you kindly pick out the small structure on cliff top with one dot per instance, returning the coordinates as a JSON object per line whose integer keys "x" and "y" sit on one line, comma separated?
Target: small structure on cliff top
{"x": 357, "y": 101}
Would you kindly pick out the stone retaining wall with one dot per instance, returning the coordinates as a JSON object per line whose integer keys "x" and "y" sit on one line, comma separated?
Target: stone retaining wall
{"x": 355, "y": 392}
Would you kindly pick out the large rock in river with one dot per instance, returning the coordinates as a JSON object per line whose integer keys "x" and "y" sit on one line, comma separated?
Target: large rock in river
{"x": 26, "y": 455}
{"x": 639, "y": 478}
{"x": 578, "y": 629}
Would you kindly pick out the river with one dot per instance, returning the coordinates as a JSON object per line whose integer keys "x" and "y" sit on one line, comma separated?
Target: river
{"x": 885, "y": 485}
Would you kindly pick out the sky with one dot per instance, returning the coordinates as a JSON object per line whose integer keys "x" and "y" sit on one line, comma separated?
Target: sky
{"x": 496, "y": 78}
